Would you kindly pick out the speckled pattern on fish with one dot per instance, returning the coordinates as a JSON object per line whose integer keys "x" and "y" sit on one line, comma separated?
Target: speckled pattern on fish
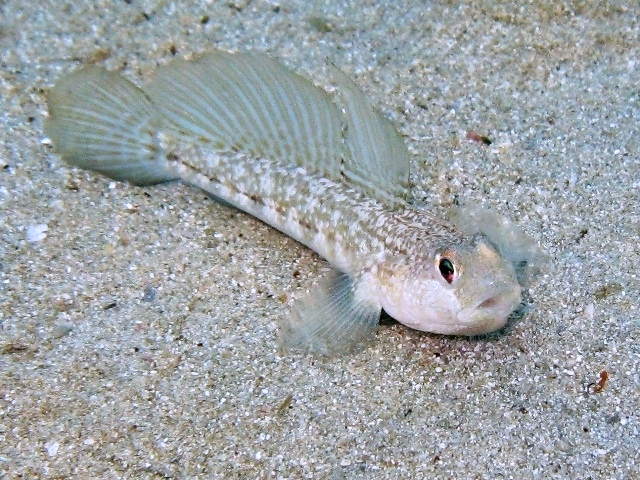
{"x": 329, "y": 171}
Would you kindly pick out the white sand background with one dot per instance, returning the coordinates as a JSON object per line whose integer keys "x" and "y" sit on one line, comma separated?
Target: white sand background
{"x": 138, "y": 326}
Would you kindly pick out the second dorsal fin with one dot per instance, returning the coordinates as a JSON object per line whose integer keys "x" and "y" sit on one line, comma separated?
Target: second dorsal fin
{"x": 250, "y": 103}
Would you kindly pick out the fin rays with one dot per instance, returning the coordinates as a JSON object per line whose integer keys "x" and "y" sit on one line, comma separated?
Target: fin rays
{"x": 378, "y": 159}
{"x": 251, "y": 103}
{"x": 242, "y": 102}
{"x": 336, "y": 318}
{"x": 102, "y": 122}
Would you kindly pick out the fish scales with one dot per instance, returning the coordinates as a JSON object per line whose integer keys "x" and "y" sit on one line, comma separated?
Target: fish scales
{"x": 327, "y": 170}
{"x": 338, "y": 222}
{"x": 288, "y": 198}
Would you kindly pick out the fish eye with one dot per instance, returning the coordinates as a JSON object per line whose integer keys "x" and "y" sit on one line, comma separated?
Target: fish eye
{"x": 447, "y": 269}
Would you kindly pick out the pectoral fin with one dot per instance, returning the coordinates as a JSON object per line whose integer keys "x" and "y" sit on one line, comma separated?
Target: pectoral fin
{"x": 339, "y": 316}
{"x": 515, "y": 246}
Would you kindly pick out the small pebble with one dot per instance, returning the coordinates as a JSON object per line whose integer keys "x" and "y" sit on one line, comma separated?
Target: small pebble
{"x": 60, "y": 331}
{"x": 36, "y": 233}
{"x": 149, "y": 294}
{"x": 52, "y": 448}
{"x": 589, "y": 311}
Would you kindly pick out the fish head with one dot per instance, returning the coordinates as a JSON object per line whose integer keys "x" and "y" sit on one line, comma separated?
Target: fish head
{"x": 466, "y": 288}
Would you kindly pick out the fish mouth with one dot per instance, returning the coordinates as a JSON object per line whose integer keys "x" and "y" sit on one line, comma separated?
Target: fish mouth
{"x": 490, "y": 313}
{"x": 489, "y": 302}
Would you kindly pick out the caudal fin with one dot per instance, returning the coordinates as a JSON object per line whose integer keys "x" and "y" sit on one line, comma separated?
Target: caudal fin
{"x": 100, "y": 121}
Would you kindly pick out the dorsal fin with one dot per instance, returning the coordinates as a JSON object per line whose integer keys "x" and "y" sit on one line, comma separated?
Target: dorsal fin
{"x": 378, "y": 159}
{"x": 250, "y": 103}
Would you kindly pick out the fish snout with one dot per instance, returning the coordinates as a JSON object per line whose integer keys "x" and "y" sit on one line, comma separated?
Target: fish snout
{"x": 491, "y": 312}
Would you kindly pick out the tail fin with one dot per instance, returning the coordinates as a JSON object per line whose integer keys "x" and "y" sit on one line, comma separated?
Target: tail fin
{"x": 100, "y": 121}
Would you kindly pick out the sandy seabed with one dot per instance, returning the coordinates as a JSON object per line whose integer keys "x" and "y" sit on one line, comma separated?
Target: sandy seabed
{"x": 138, "y": 326}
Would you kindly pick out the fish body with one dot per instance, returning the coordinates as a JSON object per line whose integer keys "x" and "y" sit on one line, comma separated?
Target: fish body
{"x": 330, "y": 172}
